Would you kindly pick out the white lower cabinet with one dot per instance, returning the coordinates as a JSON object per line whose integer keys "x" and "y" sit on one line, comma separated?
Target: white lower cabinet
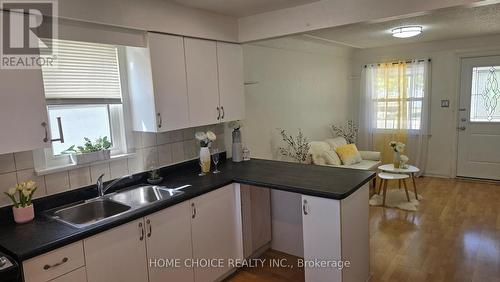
{"x": 336, "y": 232}
{"x": 118, "y": 254}
{"x": 168, "y": 238}
{"x": 216, "y": 227}
{"x": 193, "y": 232}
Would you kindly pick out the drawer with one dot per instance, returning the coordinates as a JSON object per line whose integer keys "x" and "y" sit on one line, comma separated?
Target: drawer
{"x": 78, "y": 275}
{"x": 54, "y": 264}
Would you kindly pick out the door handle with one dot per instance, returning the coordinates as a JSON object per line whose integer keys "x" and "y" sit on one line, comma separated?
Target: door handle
{"x": 193, "y": 208}
{"x": 218, "y": 116}
{"x": 150, "y": 229}
{"x": 462, "y": 109}
{"x": 223, "y": 112}
{"x": 304, "y": 207}
{"x": 160, "y": 121}
{"x": 142, "y": 231}
{"x": 461, "y": 128}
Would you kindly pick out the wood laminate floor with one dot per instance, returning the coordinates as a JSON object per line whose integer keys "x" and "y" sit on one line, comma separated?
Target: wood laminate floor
{"x": 454, "y": 236}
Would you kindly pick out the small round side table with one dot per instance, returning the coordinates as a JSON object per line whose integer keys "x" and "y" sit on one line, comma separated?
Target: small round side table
{"x": 410, "y": 170}
{"x": 385, "y": 177}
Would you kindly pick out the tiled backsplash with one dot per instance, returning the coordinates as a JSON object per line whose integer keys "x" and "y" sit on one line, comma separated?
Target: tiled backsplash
{"x": 152, "y": 150}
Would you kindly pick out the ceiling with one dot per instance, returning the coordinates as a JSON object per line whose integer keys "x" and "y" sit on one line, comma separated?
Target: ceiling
{"x": 242, "y": 8}
{"x": 440, "y": 25}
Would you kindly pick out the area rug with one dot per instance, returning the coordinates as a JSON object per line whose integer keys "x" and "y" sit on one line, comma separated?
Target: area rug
{"x": 396, "y": 198}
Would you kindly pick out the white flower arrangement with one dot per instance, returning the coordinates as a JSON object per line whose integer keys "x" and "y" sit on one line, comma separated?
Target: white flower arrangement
{"x": 25, "y": 191}
{"x": 398, "y": 147}
{"x": 205, "y": 138}
{"x": 235, "y": 125}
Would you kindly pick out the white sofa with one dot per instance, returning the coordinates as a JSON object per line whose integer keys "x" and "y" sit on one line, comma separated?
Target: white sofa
{"x": 323, "y": 153}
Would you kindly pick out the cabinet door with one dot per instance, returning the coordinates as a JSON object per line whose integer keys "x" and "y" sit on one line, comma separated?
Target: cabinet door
{"x": 22, "y": 111}
{"x": 169, "y": 237}
{"x": 256, "y": 218}
{"x": 321, "y": 229}
{"x": 202, "y": 81}
{"x": 216, "y": 231}
{"x": 169, "y": 80}
{"x": 231, "y": 91}
{"x": 117, "y": 255}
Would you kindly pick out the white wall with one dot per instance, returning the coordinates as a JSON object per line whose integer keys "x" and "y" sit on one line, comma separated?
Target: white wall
{"x": 445, "y": 68}
{"x": 152, "y": 15}
{"x": 300, "y": 84}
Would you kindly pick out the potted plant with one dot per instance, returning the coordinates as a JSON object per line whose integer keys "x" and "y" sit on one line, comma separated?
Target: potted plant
{"x": 398, "y": 148}
{"x": 154, "y": 177}
{"x": 90, "y": 151}
{"x": 206, "y": 139}
{"x": 296, "y": 148}
{"x": 22, "y": 208}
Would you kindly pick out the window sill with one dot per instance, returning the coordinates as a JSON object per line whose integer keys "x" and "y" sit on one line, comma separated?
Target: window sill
{"x": 45, "y": 171}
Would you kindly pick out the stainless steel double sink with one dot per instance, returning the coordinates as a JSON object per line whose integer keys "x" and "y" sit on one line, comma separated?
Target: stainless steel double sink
{"x": 112, "y": 205}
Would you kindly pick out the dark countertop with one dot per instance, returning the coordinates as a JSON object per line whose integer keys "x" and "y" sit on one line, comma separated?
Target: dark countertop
{"x": 24, "y": 241}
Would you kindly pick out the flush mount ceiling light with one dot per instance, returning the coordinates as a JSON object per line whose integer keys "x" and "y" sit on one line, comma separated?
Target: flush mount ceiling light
{"x": 406, "y": 31}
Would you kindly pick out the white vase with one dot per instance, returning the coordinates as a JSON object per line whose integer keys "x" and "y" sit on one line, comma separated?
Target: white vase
{"x": 23, "y": 214}
{"x": 205, "y": 159}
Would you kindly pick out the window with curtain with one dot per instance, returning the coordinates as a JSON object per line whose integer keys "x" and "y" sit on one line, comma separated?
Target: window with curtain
{"x": 83, "y": 89}
{"x": 394, "y": 107}
{"x": 398, "y": 96}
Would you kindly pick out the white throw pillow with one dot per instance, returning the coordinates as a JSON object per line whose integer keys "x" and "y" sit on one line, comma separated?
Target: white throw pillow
{"x": 336, "y": 142}
{"x": 322, "y": 154}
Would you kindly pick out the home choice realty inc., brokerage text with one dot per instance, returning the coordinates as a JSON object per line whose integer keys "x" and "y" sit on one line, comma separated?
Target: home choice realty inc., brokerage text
{"x": 236, "y": 263}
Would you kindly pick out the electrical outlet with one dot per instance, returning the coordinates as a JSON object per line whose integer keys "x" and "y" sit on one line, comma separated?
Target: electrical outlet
{"x": 445, "y": 103}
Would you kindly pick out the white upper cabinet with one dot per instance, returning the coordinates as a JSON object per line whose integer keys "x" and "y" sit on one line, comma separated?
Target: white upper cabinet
{"x": 231, "y": 91}
{"x": 184, "y": 82}
{"x": 157, "y": 84}
{"x": 202, "y": 79}
{"x": 169, "y": 80}
{"x": 22, "y": 111}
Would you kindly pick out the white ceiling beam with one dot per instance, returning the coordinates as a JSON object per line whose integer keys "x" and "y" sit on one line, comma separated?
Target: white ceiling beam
{"x": 331, "y": 13}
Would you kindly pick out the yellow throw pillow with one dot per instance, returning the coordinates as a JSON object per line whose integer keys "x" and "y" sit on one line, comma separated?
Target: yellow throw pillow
{"x": 348, "y": 154}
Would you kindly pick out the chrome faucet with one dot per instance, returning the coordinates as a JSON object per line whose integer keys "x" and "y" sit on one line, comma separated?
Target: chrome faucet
{"x": 100, "y": 186}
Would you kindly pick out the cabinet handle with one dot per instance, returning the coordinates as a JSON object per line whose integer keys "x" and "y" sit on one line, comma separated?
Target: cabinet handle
{"x": 218, "y": 116}
{"x": 160, "y": 121}
{"x": 304, "y": 207}
{"x": 150, "y": 229}
{"x": 193, "y": 207}
{"x": 60, "y": 129}
{"x": 48, "y": 266}
{"x": 223, "y": 112}
{"x": 46, "y": 139}
{"x": 142, "y": 231}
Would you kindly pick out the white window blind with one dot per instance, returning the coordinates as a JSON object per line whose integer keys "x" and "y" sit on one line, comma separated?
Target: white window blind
{"x": 82, "y": 72}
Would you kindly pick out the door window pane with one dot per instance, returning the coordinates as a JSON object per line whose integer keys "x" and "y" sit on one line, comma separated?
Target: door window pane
{"x": 485, "y": 94}
{"x": 78, "y": 121}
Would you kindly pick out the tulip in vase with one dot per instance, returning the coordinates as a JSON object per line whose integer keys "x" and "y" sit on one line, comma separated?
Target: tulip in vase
{"x": 206, "y": 139}
{"x": 22, "y": 207}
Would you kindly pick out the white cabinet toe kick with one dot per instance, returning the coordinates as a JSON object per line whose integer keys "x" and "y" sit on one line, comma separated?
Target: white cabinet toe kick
{"x": 208, "y": 237}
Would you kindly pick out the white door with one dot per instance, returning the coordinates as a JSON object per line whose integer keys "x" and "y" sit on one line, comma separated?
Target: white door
{"x": 117, "y": 255}
{"x": 322, "y": 239}
{"x": 479, "y": 118}
{"x": 168, "y": 236}
{"x": 169, "y": 79}
{"x": 216, "y": 232}
{"x": 22, "y": 111}
{"x": 231, "y": 91}
{"x": 202, "y": 80}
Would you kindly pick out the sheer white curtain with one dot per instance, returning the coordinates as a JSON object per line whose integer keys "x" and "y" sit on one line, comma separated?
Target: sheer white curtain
{"x": 394, "y": 105}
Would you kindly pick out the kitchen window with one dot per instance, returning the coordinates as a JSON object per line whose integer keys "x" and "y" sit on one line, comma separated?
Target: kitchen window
{"x": 83, "y": 89}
